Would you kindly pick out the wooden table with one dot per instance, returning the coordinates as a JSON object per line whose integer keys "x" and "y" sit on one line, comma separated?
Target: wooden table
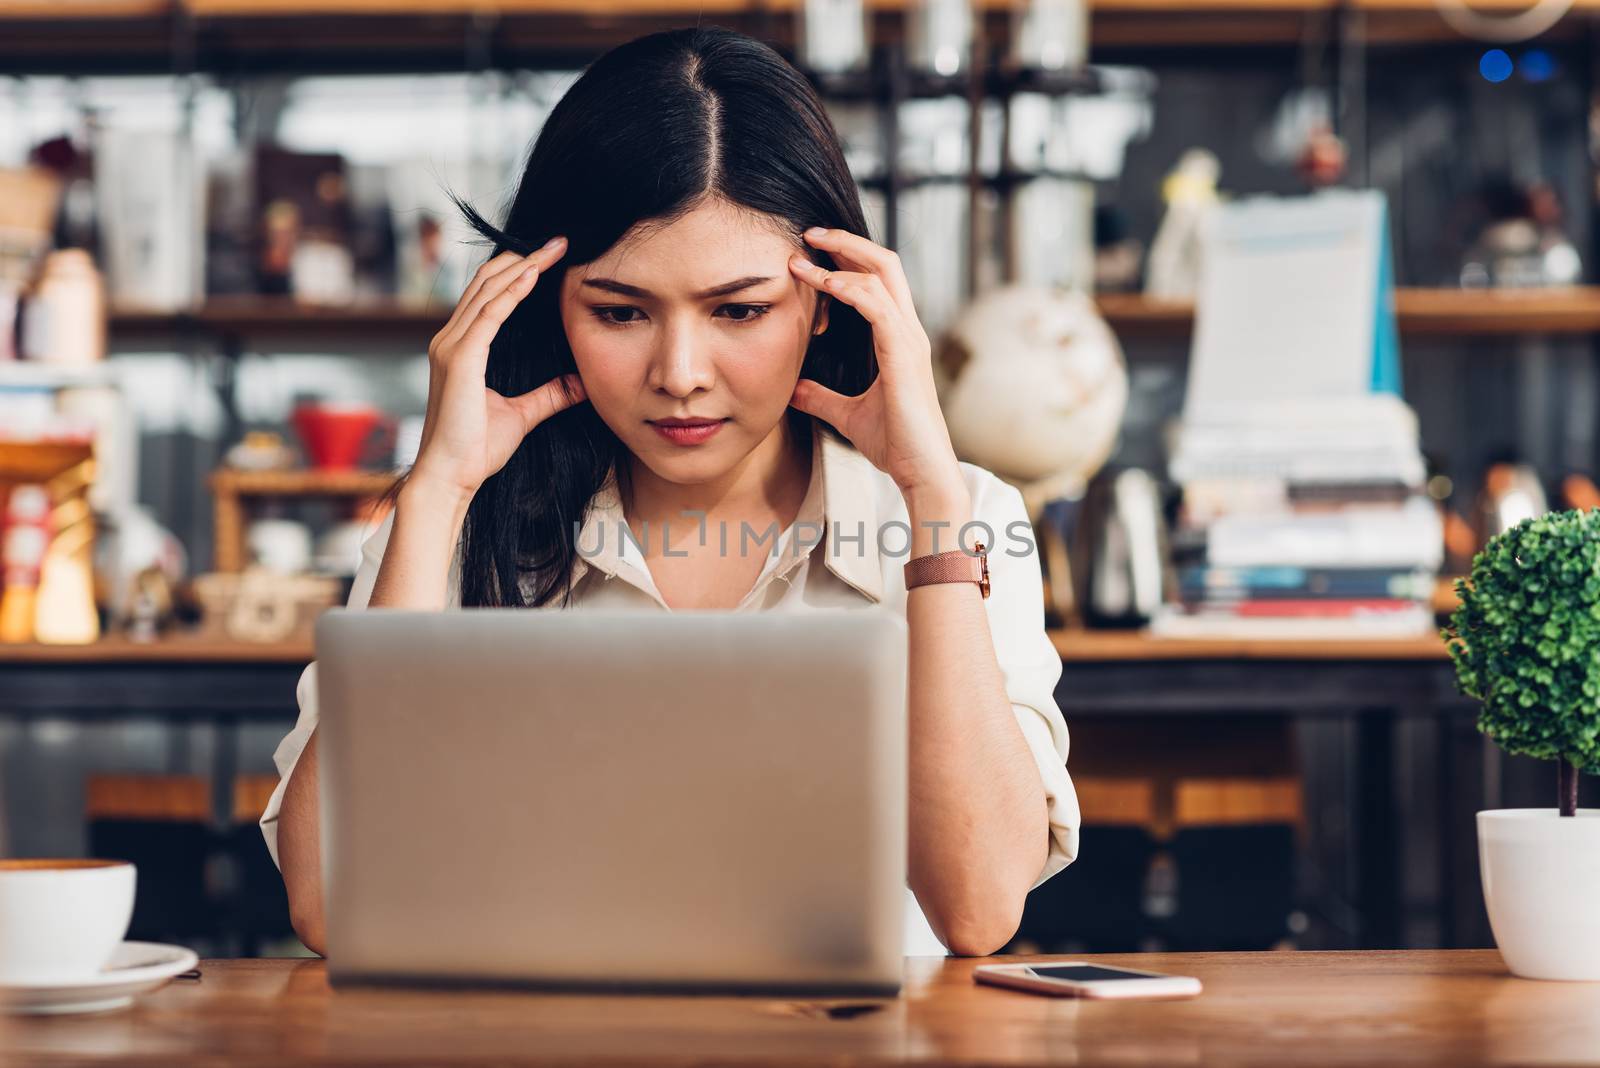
{"x": 1456, "y": 1008}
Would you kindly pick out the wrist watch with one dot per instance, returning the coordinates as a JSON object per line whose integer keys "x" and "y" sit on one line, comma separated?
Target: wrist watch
{"x": 957, "y": 565}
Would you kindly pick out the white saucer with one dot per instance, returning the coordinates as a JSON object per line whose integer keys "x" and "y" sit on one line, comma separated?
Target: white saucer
{"x": 135, "y": 968}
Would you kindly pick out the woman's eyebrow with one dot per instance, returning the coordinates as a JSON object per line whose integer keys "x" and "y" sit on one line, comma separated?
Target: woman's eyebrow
{"x": 611, "y": 285}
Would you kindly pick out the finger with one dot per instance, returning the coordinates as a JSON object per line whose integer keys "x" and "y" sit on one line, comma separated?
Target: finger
{"x": 476, "y": 335}
{"x": 842, "y": 262}
{"x": 816, "y": 399}
{"x": 495, "y": 283}
{"x": 467, "y": 307}
{"x": 487, "y": 270}
{"x": 867, "y": 256}
{"x": 864, "y": 292}
{"x": 537, "y": 405}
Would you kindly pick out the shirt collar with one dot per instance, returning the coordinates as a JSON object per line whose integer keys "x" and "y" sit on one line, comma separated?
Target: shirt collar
{"x": 842, "y": 496}
{"x": 850, "y": 494}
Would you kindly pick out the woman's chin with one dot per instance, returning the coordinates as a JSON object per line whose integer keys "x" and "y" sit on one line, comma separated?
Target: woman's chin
{"x": 689, "y": 465}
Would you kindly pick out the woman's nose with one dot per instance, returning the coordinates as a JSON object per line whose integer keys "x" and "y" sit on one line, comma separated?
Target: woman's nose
{"x": 682, "y": 362}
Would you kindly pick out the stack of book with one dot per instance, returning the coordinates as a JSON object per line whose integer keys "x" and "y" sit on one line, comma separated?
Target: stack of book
{"x": 1305, "y": 519}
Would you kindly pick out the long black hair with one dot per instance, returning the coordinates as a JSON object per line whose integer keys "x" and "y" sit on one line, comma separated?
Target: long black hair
{"x": 651, "y": 130}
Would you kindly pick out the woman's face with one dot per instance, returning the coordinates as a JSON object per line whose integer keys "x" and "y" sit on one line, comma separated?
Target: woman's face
{"x": 698, "y": 320}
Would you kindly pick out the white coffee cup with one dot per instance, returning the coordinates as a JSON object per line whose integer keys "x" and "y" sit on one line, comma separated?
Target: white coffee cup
{"x": 280, "y": 545}
{"x": 61, "y": 920}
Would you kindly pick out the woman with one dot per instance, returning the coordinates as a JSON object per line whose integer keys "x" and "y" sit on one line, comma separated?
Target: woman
{"x": 667, "y": 377}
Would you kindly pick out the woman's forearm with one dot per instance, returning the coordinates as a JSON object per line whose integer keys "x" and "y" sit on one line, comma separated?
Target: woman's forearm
{"x": 300, "y": 849}
{"x": 422, "y": 543}
{"x": 979, "y": 830}
{"x": 414, "y": 573}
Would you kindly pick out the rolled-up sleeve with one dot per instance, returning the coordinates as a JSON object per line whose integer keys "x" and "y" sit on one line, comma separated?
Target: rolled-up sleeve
{"x": 287, "y": 755}
{"x": 1027, "y": 656}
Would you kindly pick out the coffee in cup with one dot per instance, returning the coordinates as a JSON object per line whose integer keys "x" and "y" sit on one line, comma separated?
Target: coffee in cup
{"x": 61, "y": 919}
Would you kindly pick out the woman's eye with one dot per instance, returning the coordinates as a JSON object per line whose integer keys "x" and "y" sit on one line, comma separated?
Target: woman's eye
{"x": 604, "y": 314}
{"x": 627, "y": 314}
{"x": 747, "y": 312}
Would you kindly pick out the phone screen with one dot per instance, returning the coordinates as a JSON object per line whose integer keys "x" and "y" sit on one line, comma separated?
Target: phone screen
{"x": 1084, "y": 973}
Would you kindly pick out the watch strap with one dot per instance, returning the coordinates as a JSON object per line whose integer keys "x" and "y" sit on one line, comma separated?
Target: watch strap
{"x": 957, "y": 565}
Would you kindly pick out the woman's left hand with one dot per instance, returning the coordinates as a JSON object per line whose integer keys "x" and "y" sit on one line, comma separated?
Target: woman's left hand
{"x": 896, "y": 423}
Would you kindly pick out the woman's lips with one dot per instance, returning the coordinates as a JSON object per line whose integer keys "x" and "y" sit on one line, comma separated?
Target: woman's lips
{"x": 688, "y": 433}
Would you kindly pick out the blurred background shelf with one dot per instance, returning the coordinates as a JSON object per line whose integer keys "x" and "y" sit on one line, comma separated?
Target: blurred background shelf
{"x": 232, "y": 491}
{"x": 302, "y": 483}
{"x": 1433, "y": 312}
{"x": 389, "y": 320}
{"x": 20, "y": 10}
{"x": 304, "y": 35}
{"x": 594, "y": 8}
{"x": 1573, "y": 310}
{"x": 172, "y": 648}
{"x": 1095, "y": 646}
{"x": 1076, "y": 645}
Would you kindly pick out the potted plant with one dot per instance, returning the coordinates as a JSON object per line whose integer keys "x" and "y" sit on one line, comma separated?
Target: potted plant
{"x": 1525, "y": 641}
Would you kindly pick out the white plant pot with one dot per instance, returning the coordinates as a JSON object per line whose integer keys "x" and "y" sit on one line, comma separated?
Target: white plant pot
{"x": 1541, "y": 884}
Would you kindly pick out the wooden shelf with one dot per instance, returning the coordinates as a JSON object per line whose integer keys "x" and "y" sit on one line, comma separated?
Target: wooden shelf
{"x": 230, "y": 489}
{"x": 177, "y": 649}
{"x": 255, "y": 316}
{"x": 269, "y": 38}
{"x": 1574, "y": 310}
{"x": 87, "y": 9}
{"x": 1421, "y": 313}
{"x": 1418, "y": 312}
{"x": 71, "y": 9}
{"x": 302, "y": 483}
{"x": 306, "y": 36}
{"x": 1080, "y": 645}
{"x": 1136, "y": 315}
{"x": 648, "y": 8}
{"x": 593, "y": 8}
{"x": 1075, "y": 645}
{"x": 1503, "y": 7}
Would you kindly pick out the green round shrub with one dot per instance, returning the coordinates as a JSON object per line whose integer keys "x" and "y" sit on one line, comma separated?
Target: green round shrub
{"x": 1525, "y": 639}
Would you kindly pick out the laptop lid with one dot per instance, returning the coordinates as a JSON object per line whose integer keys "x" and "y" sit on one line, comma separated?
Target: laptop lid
{"x": 690, "y": 799}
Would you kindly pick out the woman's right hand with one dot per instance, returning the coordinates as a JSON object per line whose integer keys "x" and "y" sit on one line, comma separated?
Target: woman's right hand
{"x": 470, "y": 431}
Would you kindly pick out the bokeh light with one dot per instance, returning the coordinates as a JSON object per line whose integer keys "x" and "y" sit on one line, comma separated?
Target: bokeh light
{"x": 1495, "y": 66}
{"x": 1536, "y": 65}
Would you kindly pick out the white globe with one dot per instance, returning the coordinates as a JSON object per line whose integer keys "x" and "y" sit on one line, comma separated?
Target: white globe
{"x": 1033, "y": 386}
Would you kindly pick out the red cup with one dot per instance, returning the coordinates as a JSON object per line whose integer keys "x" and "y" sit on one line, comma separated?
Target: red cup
{"x": 335, "y": 436}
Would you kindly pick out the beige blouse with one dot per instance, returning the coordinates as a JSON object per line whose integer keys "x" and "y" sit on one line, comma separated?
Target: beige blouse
{"x": 843, "y": 550}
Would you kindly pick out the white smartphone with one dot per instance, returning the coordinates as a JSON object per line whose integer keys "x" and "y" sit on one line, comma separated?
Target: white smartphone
{"x": 1080, "y": 979}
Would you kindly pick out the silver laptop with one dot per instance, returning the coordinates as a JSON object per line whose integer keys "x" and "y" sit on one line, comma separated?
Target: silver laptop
{"x": 687, "y": 800}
